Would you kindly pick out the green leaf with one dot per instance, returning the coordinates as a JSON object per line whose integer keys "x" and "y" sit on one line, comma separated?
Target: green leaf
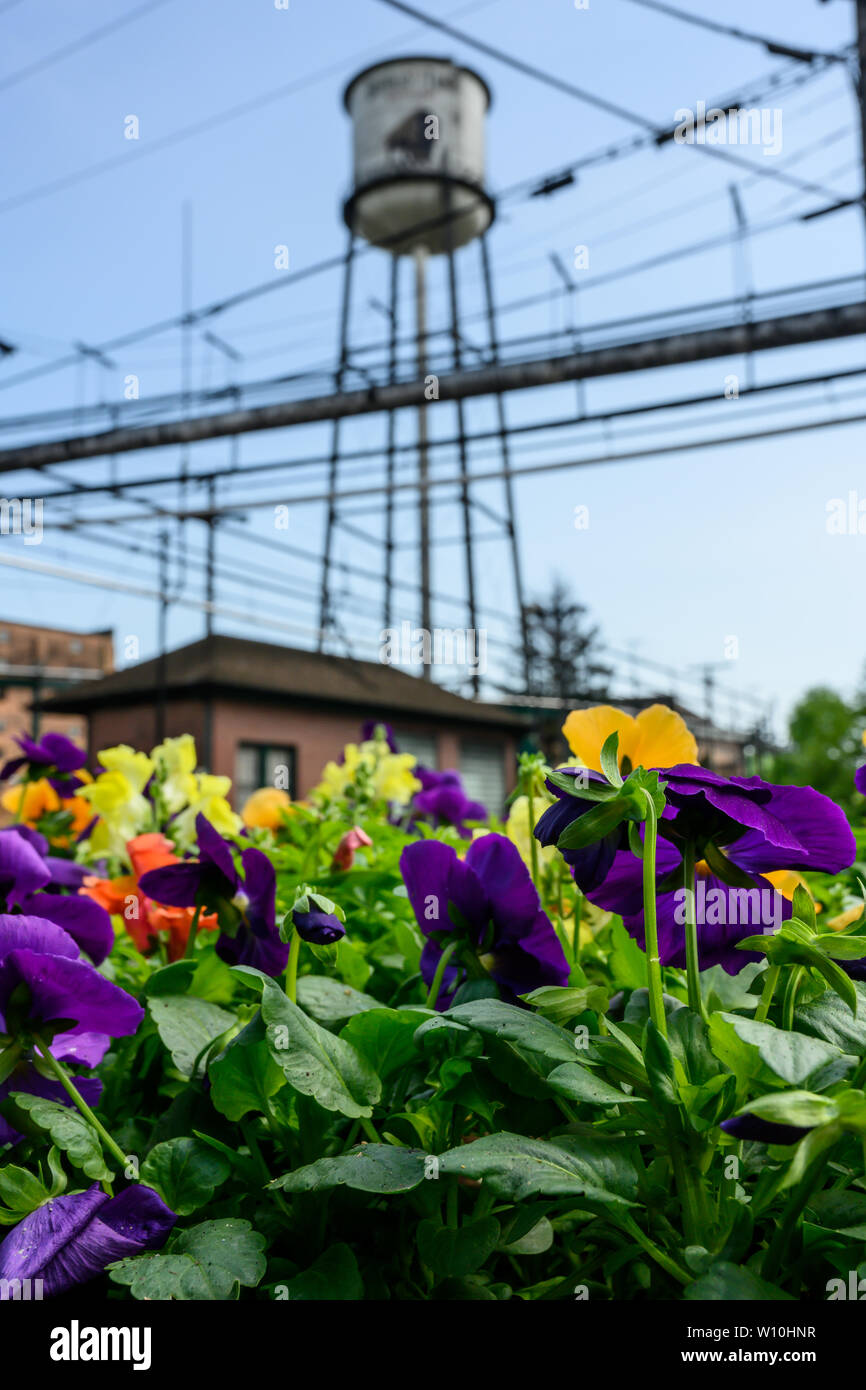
{"x": 187, "y": 1026}
{"x": 830, "y": 1018}
{"x": 69, "y": 1131}
{"x": 385, "y": 1037}
{"x": 792, "y": 1057}
{"x": 804, "y": 907}
{"x": 21, "y": 1190}
{"x": 207, "y": 1263}
{"x": 185, "y": 1173}
{"x": 171, "y": 979}
{"x": 725, "y": 1281}
{"x": 246, "y": 1076}
{"x": 609, "y": 759}
{"x": 594, "y": 825}
{"x": 586, "y": 792}
{"x": 560, "y": 1003}
{"x": 334, "y": 1276}
{"x": 331, "y": 1001}
{"x": 313, "y": 1060}
{"x": 659, "y": 1062}
{"x": 454, "y": 1253}
{"x": 527, "y": 1031}
{"x": 627, "y": 960}
{"x": 369, "y": 1168}
{"x": 517, "y": 1167}
{"x": 794, "y": 1108}
{"x": 578, "y": 1083}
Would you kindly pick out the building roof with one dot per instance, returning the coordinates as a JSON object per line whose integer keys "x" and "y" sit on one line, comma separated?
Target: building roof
{"x": 234, "y": 667}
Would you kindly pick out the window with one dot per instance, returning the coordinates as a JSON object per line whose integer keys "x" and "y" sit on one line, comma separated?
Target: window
{"x": 76, "y": 645}
{"x": 421, "y": 746}
{"x": 482, "y": 768}
{"x": 263, "y": 765}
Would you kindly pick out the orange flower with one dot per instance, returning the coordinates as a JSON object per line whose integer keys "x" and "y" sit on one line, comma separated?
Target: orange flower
{"x": 40, "y": 799}
{"x": 143, "y": 918}
{"x": 265, "y": 808}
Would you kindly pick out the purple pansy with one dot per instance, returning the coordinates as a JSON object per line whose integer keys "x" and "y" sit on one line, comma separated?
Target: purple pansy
{"x": 860, "y": 780}
{"x": 86, "y": 921}
{"x": 317, "y": 927}
{"x": 246, "y": 905}
{"x": 22, "y": 868}
{"x": 72, "y": 1238}
{"x": 762, "y": 1131}
{"x": 589, "y": 866}
{"x": 488, "y": 901}
{"x": 442, "y": 799}
{"x": 54, "y": 756}
{"x": 59, "y": 987}
{"x": 757, "y": 826}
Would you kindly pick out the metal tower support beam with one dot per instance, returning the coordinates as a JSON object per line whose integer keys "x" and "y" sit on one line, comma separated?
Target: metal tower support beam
{"x": 334, "y": 461}
{"x": 471, "y": 604}
{"x": 820, "y": 325}
{"x": 390, "y": 449}
{"x": 505, "y": 448}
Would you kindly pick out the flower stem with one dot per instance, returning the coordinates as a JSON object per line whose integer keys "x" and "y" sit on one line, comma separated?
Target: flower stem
{"x": 193, "y": 933}
{"x": 292, "y": 967}
{"x": 78, "y": 1100}
{"x": 654, "y": 968}
{"x": 433, "y": 991}
{"x": 693, "y": 976}
{"x": 771, "y": 979}
{"x": 638, "y": 1236}
{"x": 533, "y": 843}
{"x": 774, "y": 1260}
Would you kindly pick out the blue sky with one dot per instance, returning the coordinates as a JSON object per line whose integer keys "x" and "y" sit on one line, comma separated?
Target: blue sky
{"x": 682, "y": 553}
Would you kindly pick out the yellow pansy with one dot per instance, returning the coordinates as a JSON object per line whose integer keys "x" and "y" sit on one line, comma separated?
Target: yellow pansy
{"x": 518, "y": 829}
{"x": 174, "y": 760}
{"x": 265, "y": 809}
{"x": 657, "y": 737}
{"x": 785, "y": 881}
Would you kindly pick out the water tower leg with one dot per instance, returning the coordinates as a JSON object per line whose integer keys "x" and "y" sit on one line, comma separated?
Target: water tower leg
{"x": 419, "y": 255}
{"x": 389, "y": 468}
{"x": 334, "y": 462}
{"x": 505, "y": 448}
{"x": 465, "y": 499}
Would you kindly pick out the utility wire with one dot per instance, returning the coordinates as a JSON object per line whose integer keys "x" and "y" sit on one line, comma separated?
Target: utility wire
{"x": 77, "y": 44}
{"x": 529, "y": 187}
{"x": 209, "y": 123}
{"x": 780, "y": 50}
{"x": 601, "y": 103}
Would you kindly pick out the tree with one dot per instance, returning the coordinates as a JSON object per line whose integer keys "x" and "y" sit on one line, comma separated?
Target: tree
{"x": 826, "y": 746}
{"x": 563, "y": 650}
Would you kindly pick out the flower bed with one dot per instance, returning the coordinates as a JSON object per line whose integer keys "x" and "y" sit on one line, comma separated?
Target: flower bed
{"x": 378, "y": 1045}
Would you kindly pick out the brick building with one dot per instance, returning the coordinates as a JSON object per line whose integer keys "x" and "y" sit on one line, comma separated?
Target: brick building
{"x": 251, "y": 706}
{"x": 38, "y": 661}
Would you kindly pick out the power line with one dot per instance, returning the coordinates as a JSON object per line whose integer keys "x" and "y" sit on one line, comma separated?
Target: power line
{"x": 601, "y": 103}
{"x": 210, "y": 123}
{"x": 491, "y": 475}
{"x": 77, "y": 44}
{"x": 527, "y": 186}
{"x": 780, "y": 50}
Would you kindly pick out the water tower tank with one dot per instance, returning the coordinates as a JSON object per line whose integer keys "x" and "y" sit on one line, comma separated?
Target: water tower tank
{"x": 418, "y": 155}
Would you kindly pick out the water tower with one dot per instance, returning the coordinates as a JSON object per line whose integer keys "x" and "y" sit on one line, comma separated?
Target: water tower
{"x": 418, "y": 192}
